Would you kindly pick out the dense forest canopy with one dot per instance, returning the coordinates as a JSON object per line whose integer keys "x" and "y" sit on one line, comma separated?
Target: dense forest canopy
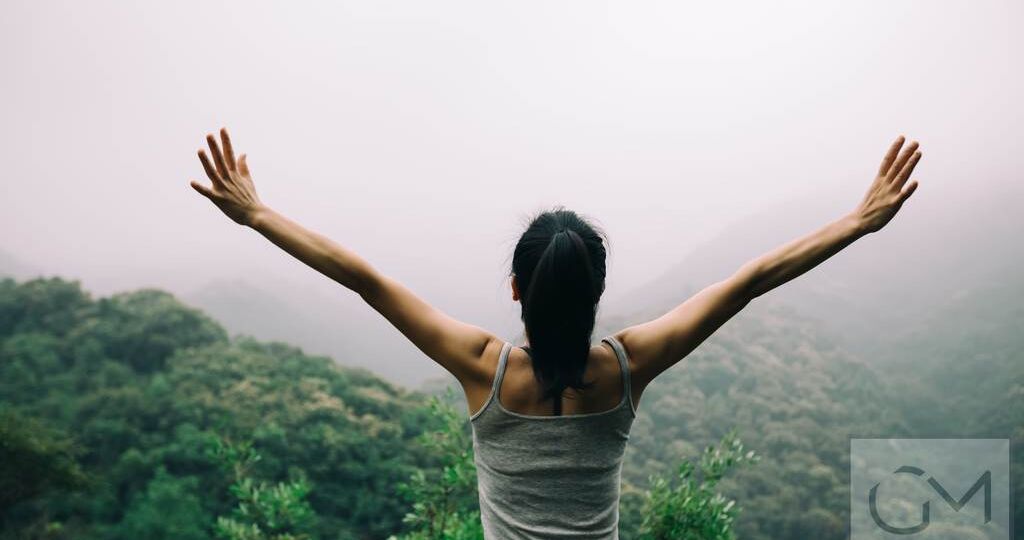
{"x": 112, "y": 411}
{"x": 144, "y": 386}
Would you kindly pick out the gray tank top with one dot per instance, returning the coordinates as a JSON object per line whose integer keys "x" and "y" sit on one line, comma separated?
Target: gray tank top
{"x": 551, "y": 477}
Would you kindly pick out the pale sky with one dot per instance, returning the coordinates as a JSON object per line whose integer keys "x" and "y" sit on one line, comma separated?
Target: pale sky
{"x": 421, "y": 134}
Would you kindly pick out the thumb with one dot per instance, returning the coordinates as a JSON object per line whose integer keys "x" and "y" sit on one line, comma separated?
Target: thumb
{"x": 243, "y": 166}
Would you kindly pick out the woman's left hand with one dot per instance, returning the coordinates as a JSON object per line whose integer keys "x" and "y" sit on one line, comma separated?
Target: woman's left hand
{"x": 233, "y": 190}
{"x": 890, "y": 188}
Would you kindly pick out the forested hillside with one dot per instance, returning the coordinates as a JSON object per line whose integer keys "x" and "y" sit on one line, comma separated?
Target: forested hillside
{"x": 112, "y": 411}
{"x": 904, "y": 336}
{"x": 797, "y": 398}
{"x": 794, "y": 397}
{"x": 125, "y": 397}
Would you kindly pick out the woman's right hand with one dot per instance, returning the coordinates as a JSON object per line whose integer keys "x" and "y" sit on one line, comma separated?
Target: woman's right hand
{"x": 890, "y": 189}
{"x": 232, "y": 188}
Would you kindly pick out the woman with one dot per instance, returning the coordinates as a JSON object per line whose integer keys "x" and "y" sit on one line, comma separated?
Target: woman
{"x": 551, "y": 419}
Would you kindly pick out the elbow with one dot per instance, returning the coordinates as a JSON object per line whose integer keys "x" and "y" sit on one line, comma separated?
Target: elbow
{"x": 368, "y": 285}
{"x": 747, "y": 283}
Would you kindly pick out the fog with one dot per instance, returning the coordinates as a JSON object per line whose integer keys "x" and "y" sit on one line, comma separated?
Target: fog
{"x": 423, "y": 134}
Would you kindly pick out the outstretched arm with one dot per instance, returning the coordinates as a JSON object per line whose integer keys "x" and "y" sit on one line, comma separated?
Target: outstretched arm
{"x": 657, "y": 345}
{"x": 456, "y": 345}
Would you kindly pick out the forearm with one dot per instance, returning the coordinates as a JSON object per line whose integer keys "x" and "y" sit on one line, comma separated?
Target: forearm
{"x": 315, "y": 250}
{"x": 792, "y": 259}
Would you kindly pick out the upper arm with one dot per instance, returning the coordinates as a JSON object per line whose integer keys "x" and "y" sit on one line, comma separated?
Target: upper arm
{"x": 656, "y": 345}
{"x": 455, "y": 345}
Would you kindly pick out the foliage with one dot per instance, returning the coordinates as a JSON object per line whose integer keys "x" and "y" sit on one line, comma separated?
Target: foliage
{"x": 443, "y": 497}
{"x": 36, "y": 461}
{"x": 794, "y": 395}
{"x": 107, "y": 405}
{"x": 168, "y": 509}
{"x": 143, "y": 384}
{"x": 693, "y": 509}
{"x": 264, "y": 511}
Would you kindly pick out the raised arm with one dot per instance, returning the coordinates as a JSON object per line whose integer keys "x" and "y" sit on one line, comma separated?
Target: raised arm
{"x": 455, "y": 345}
{"x": 657, "y": 345}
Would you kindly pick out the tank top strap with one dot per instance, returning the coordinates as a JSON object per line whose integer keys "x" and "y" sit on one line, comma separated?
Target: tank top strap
{"x": 499, "y": 373}
{"x": 620, "y": 353}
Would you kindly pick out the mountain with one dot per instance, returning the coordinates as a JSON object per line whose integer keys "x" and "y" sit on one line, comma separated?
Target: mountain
{"x": 794, "y": 396}
{"x": 914, "y": 332}
{"x": 324, "y": 319}
{"x": 11, "y": 266}
{"x": 246, "y": 309}
{"x": 883, "y": 283}
{"x": 143, "y": 383}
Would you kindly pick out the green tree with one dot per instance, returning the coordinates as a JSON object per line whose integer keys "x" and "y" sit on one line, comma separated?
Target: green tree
{"x": 36, "y": 462}
{"x": 265, "y": 511}
{"x": 140, "y": 381}
{"x": 444, "y": 499}
{"x": 693, "y": 509}
{"x": 169, "y": 509}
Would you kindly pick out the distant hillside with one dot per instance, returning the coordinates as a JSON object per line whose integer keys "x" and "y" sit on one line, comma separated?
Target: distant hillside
{"x": 11, "y": 266}
{"x": 325, "y": 319}
{"x": 797, "y": 396}
{"x": 915, "y": 333}
{"x": 246, "y": 309}
{"x": 884, "y": 282}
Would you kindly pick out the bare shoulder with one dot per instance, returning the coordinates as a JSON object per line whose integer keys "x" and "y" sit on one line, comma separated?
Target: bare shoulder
{"x": 637, "y": 382}
{"x": 605, "y": 361}
{"x": 622, "y": 336}
{"x": 484, "y": 367}
{"x": 478, "y": 381}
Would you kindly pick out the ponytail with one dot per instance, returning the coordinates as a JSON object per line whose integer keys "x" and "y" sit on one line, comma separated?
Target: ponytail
{"x": 559, "y": 310}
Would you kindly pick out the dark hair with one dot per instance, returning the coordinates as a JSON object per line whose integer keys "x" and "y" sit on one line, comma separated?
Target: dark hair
{"x": 559, "y": 267}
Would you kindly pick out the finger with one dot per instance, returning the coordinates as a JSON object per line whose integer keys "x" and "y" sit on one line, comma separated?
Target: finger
{"x": 210, "y": 171}
{"x": 902, "y": 160}
{"x": 229, "y": 153}
{"x": 905, "y": 194}
{"x": 904, "y": 174}
{"x": 243, "y": 165}
{"x": 890, "y": 156}
{"x": 203, "y": 190}
{"x": 217, "y": 157}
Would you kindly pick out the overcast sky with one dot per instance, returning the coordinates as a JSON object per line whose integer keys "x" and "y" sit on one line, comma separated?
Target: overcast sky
{"x": 422, "y": 134}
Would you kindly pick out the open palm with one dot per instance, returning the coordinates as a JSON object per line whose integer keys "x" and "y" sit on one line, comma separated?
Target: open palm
{"x": 890, "y": 188}
{"x": 232, "y": 188}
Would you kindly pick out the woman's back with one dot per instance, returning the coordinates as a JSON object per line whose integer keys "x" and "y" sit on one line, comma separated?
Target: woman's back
{"x": 551, "y": 477}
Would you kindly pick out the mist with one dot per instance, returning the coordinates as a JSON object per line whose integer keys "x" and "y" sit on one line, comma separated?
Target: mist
{"x": 424, "y": 135}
